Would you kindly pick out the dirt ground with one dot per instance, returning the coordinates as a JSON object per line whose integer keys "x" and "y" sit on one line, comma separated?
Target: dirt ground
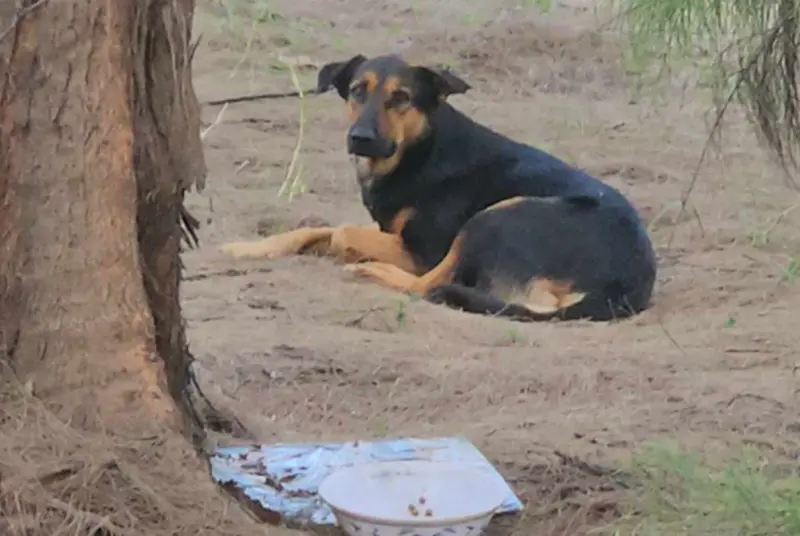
{"x": 300, "y": 350}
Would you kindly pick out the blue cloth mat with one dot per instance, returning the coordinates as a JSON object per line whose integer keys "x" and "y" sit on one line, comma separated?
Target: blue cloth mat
{"x": 283, "y": 479}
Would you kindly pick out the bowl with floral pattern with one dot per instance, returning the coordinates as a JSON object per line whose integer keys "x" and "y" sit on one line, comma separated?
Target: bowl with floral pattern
{"x": 413, "y": 498}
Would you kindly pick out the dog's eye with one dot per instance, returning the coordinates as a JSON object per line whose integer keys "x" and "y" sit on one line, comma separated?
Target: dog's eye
{"x": 399, "y": 99}
{"x": 358, "y": 92}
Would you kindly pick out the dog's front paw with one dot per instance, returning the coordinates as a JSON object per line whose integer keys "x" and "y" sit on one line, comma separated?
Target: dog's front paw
{"x": 250, "y": 250}
{"x": 372, "y": 270}
{"x": 234, "y": 249}
{"x": 386, "y": 274}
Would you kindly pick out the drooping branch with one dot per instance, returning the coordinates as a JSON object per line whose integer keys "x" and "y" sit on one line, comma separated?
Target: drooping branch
{"x": 769, "y": 90}
{"x": 749, "y": 48}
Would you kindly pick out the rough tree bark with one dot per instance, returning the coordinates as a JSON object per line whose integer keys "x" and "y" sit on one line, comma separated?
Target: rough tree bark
{"x": 99, "y": 141}
{"x": 98, "y": 124}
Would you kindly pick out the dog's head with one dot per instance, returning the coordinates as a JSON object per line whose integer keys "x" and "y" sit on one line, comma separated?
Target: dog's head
{"x": 389, "y": 103}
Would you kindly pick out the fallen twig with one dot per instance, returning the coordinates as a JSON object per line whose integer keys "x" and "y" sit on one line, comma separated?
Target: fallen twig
{"x": 262, "y": 96}
{"x": 592, "y": 469}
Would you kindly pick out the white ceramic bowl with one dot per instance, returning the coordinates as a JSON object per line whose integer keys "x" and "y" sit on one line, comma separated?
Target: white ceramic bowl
{"x": 413, "y": 498}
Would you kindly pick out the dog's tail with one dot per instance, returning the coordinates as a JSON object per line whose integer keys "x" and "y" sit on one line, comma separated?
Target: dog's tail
{"x": 472, "y": 300}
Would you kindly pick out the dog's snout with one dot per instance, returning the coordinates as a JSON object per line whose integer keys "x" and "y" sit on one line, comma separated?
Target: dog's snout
{"x": 365, "y": 141}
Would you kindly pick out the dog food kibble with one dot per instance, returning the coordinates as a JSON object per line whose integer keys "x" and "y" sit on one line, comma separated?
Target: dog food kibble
{"x": 413, "y": 510}
{"x": 428, "y": 513}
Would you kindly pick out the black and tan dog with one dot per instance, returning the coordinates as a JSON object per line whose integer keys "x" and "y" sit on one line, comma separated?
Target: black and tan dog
{"x": 468, "y": 217}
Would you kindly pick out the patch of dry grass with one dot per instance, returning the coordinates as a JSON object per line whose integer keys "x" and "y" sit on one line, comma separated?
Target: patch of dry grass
{"x": 56, "y": 480}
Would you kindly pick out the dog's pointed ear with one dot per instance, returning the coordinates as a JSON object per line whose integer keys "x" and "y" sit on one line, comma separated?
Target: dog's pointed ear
{"x": 339, "y": 75}
{"x": 442, "y": 81}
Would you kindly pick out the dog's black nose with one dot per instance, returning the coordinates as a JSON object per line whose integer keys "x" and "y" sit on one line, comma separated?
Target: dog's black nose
{"x": 362, "y": 135}
{"x": 365, "y": 141}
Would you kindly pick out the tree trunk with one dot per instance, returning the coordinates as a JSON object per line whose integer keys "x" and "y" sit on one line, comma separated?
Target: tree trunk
{"x": 99, "y": 140}
{"x": 79, "y": 329}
